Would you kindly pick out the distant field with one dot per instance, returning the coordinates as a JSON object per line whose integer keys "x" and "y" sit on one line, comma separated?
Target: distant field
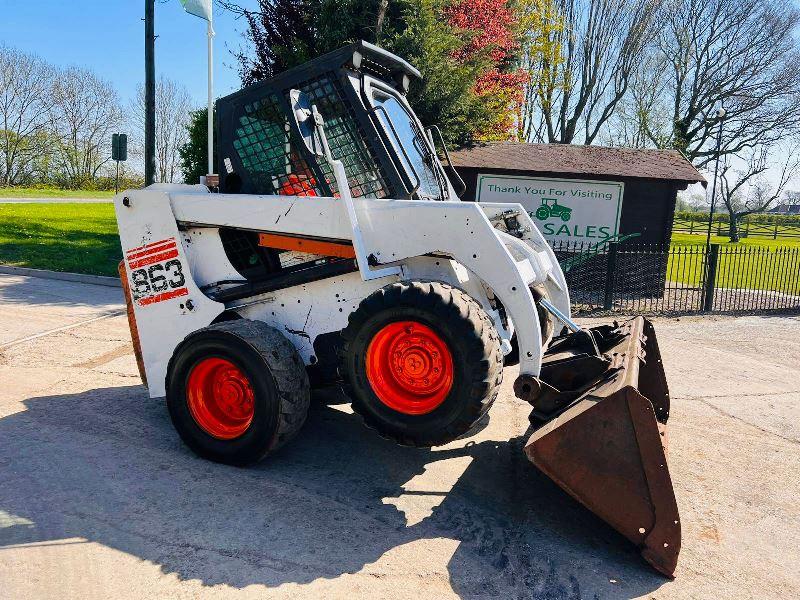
{"x": 753, "y": 263}
{"x": 78, "y": 238}
{"x": 20, "y": 192}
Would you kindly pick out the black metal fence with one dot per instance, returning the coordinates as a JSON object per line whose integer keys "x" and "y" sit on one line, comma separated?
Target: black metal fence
{"x": 648, "y": 279}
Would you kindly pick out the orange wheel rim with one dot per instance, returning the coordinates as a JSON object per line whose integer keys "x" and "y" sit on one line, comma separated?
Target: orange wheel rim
{"x": 409, "y": 367}
{"x": 220, "y": 398}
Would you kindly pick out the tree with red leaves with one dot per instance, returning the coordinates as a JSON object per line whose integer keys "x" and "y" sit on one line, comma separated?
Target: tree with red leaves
{"x": 493, "y": 25}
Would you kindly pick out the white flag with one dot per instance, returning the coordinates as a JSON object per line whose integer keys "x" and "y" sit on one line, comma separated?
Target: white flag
{"x": 198, "y": 8}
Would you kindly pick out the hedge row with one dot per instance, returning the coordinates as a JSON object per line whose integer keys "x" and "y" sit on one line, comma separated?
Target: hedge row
{"x": 760, "y": 219}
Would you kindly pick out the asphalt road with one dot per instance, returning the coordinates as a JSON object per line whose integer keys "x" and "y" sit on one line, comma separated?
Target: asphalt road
{"x": 99, "y": 499}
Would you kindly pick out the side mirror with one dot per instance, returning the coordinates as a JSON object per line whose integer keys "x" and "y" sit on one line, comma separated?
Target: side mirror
{"x": 306, "y": 123}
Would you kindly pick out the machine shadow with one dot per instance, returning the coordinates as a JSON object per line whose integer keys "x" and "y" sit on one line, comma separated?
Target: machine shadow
{"x": 106, "y": 465}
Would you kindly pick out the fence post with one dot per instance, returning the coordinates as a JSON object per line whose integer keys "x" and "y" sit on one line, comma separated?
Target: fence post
{"x": 611, "y": 269}
{"x": 711, "y": 276}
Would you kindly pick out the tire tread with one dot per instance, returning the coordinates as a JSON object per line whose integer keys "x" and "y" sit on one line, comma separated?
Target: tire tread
{"x": 287, "y": 369}
{"x": 483, "y": 349}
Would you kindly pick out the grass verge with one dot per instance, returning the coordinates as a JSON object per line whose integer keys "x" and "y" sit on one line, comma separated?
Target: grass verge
{"x": 78, "y": 238}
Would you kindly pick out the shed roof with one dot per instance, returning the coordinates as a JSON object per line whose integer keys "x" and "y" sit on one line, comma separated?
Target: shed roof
{"x": 580, "y": 160}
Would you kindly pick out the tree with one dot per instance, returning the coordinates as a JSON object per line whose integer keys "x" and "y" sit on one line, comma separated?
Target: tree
{"x": 86, "y": 111}
{"x": 745, "y": 191}
{"x": 688, "y": 202}
{"x": 194, "y": 152}
{"x": 284, "y": 33}
{"x": 644, "y": 103}
{"x": 491, "y": 26}
{"x": 173, "y": 105}
{"x": 710, "y": 53}
{"x": 581, "y": 57}
{"x": 280, "y": 34}
{"x": 344, "y": 21}
{"x": 446, "y": 95}
{"x": 25, "y": 113}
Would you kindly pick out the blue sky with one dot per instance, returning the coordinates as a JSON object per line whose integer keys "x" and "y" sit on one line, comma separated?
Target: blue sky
{"x": 107, "y": 36}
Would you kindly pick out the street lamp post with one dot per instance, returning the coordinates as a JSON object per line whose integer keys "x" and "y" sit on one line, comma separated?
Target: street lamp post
{"x": 149, "y": 92}
{"x": 720, "y": 116}
{"x": 707, "y": 262}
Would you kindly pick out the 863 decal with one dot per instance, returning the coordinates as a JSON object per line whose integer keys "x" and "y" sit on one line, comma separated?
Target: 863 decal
{"x": 156, "y": 272}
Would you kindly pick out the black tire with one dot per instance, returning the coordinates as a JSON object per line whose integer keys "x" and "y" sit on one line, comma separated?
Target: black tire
{"x": 466, "y": 329}
{"x": 275, "y": 372}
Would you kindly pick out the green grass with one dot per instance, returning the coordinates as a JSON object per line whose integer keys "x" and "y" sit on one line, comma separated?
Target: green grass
{"x": 767, "y": 267}
{"x": 78, "y": 238}
{"x": 23, "y": 192}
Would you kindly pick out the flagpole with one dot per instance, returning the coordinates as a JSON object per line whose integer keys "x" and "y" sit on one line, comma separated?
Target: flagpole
{"x": 149, "y": 93}
{"x": 210, "y": 98}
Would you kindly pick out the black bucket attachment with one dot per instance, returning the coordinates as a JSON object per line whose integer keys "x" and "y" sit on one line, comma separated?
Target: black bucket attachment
{"x": 601, "y": 405}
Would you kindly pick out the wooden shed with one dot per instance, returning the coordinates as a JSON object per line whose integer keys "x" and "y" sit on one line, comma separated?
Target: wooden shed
{"x": 581, "y": 193}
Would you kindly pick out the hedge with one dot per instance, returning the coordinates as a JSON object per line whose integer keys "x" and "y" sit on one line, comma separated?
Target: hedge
{"x": 758, "y": 218}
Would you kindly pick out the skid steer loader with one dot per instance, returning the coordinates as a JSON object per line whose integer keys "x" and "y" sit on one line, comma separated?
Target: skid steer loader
{"x": 337, "y": 252}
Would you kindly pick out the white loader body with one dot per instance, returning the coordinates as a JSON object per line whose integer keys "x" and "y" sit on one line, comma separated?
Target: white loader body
{"x": 175, "y": 264}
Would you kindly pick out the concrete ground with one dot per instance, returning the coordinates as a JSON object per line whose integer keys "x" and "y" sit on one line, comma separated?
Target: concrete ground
{"x": 99, "y": 498}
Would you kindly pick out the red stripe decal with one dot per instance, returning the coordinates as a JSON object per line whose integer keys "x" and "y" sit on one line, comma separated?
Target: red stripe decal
{"x": 153, "y": 259}
{"x": 150, "y": 245}
{"x": 165, "y": 296}
{"x": 161, "y": 248}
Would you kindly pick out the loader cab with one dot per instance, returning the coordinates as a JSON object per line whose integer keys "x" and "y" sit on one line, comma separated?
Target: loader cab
{"x": 411, "y": 151}
{"x": 360, "y": 92}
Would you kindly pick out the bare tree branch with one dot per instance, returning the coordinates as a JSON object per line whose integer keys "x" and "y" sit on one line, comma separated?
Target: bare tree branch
{"x": 173, "y": 105}
{"x": 745, "y": 190}
{"x": 86, "y": 112}
{"x": 600, "y": 45}
{"x": 25, "y": 114}
{"x": 736, "y": 53}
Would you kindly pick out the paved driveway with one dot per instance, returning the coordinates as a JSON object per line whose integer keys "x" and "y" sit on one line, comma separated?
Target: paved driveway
{"x": 99, "y": 499}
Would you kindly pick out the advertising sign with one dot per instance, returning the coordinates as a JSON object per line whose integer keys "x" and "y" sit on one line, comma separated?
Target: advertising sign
{"x": 568, "y": 210}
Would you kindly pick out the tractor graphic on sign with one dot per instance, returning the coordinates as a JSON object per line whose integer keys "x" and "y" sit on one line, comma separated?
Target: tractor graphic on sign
{"x": 554, "y": 210}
